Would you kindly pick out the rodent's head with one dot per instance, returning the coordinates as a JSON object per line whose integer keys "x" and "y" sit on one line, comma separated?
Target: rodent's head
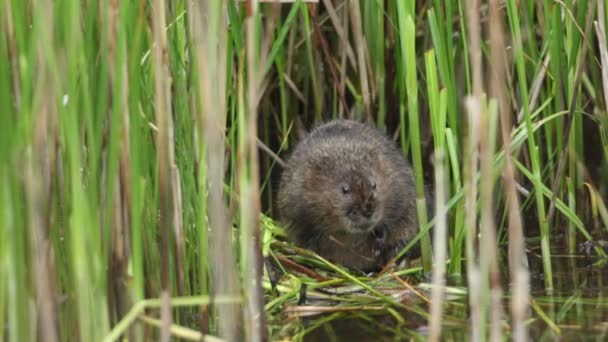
{"x": 352, "y": 198}
{"x": 359, "y": 203}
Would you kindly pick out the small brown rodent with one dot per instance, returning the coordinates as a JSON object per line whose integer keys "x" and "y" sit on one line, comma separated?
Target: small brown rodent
{"x": 348, "y": 194}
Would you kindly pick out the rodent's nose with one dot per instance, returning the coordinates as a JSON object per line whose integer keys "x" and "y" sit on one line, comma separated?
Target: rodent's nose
{"x": 368, "y": 210}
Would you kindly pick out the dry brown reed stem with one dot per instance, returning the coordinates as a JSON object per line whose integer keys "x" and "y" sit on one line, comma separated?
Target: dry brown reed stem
{"x": 518, "y": 264}
{"x": 43, "y": 257}
{"x": 270, "y": 152}
{"x": 162, "y": 82}
{"x": 409, "y": 287}
{"x": 310, "y": 310}
{"x": 120, "y": 221}
{"x": 474, "y": 33}
{"x": 488, "y": 240}
{"x": 328, "y": 59}
{"x": 470, "y": 170}
{"x": 440, "y": 248}
{"x": 536, "y": 88}
{"x": 600, "y": 28}
{"x": 209, "y": 37}
{"x": 297, "y": 92}
{"x": 291, "y": 48}
{"x": 344, "y": 46}
{"x": 360, "y": 47}
{"x": 195, "y": 30}
{"x": 250, "y": 191}
{"x": 485, "y": 292}
{"x": 341, "y": 30}
{"x": 287, "y": 263}
{"x": 178, "y": 229}
{"x": 488, "y": 260}
{"x": 37, "y": 184}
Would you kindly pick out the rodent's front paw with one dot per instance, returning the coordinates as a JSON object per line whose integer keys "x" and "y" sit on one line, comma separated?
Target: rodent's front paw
{"x": 379, "y": 233}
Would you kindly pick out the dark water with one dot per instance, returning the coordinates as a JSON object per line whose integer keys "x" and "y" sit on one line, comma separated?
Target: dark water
{"x": 579, "y": 303}
{"x": 577, "y": 310}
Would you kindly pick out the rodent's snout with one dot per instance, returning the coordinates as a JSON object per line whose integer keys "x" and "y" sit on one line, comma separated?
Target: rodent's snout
{"x": 369, "y": 206}
{"x": 368, "y": 209}
{"x": 364, "y": 215}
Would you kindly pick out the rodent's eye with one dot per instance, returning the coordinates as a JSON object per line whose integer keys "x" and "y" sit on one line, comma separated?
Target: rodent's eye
{"x": 373, "y": 185}
{"x": 345, "y": 189}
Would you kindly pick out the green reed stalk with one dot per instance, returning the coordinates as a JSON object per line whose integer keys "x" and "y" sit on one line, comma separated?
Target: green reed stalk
{"x": 518, "y": 54}
{"x": 5, "y": 143}
{"x": 573, "y": 180}
{"x": 438, "y": 110}
{"x": 277, "y": 44}
{"x": 437, "y": 101}
{"x": 17, "y": 296}
{"x": 361, "y": 51}
{"x": 88, "y": 242}
{"x": 572, "y": 206}
{"x": 373, "y": 17}
{"x": 139, "y": 186}
{"x": 4, "y": 253}
{"x": 14, "y": 301}
{"x": 456, "y": 247}
{"x": 443, "y": 45}
{"x": 16, "y": 266}
{"x": 407, "y": 34}
{"x": 560, "y": 205}
{"x": 468, "y": 82}
{"x": 317, "y": 94}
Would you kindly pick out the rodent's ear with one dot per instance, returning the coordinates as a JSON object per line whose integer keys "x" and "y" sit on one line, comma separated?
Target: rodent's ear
{"x": 299, "y": 129}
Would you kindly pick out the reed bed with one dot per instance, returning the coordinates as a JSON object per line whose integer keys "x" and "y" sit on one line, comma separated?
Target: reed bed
{"x": 141, "y": 144}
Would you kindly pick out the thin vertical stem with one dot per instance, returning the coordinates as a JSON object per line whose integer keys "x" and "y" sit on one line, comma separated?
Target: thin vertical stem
{"x": 250, "y": 188}
{"x": 407, "y": 43}
{"x": 440, "y": 248}
{"x": 360, "y": 48}
{"x": 211, "y": 58}
{"x": 518, "y": 55}
{"x": 160, "y": 59}
{"x": 518, "y": 263}
{"x": 478, "y": 319}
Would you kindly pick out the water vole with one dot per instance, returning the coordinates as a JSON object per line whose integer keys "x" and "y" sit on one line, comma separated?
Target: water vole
{"x": 348, "y": 194}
